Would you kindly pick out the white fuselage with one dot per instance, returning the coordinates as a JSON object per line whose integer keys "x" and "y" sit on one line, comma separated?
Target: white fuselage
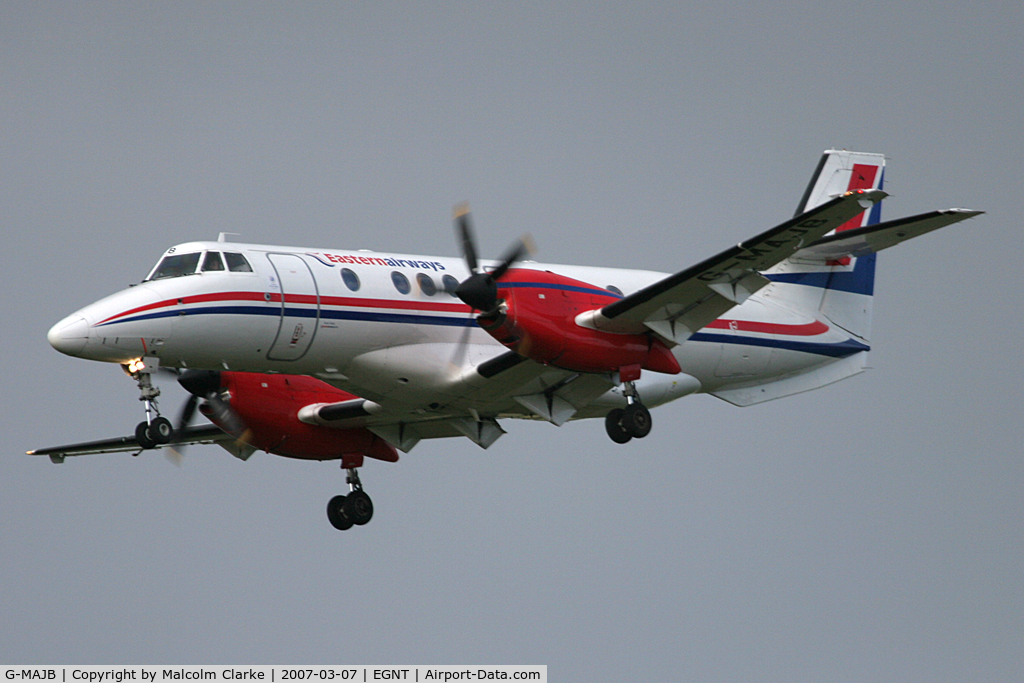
{"x": 294, "y": 312}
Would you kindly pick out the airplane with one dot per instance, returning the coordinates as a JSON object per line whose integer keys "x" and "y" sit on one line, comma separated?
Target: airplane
{"x": 342, "y": 354}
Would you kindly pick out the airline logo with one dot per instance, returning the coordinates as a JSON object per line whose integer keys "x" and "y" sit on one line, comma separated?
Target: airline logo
{"x": 330, "y": 260}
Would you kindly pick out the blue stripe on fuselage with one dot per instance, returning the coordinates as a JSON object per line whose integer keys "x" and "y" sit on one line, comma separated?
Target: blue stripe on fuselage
{"x": 409, "y": 318}
{"x": 834, "y": 350}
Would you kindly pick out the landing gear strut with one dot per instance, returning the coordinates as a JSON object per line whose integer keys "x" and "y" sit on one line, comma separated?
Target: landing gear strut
{"x": 354, "y": 509}
{"x": 154, "y": 430}
{"x": 623, "y": 424}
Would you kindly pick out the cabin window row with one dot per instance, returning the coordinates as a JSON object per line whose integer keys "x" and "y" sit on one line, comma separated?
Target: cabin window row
{"x": 402, "y": 283}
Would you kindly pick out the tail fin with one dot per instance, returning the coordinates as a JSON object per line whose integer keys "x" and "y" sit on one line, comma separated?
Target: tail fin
{"x": 842, "y": 289}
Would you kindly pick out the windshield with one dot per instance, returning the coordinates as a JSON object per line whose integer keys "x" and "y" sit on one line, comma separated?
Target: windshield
{"x": 176, "y": 265}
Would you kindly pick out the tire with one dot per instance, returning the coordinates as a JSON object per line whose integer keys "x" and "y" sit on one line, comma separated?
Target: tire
{"x": 142, "y": 436}
{"x": 336, "y": 514}
{"x": 636, "y": 419}
{"x": 614, "y": 426}
{"x": 359, "y": 507}
{"x": 160, "y": 430}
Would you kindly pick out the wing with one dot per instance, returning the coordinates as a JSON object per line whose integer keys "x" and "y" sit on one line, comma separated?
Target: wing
{"x": 679, "y": 305}
{"x": 873, "y": 238}
{"x": 506, "y": 385}
{"x": 126, "y": 444}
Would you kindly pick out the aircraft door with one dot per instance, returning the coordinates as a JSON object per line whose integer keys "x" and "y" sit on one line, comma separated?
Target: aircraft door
{"x": 300, "y": 307}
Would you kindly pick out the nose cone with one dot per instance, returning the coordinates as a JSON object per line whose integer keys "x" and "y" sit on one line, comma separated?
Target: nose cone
{"x": 70, "y": 335}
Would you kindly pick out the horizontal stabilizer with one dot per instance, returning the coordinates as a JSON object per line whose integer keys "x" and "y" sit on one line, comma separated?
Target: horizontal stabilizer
{"x": 874, "y": 238}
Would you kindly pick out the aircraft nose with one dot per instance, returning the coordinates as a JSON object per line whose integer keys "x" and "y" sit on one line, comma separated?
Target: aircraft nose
{"x": 70, "y": 335}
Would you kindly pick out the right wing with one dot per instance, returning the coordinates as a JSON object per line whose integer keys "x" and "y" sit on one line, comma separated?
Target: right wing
{"x": 679, "y": 305}
{"x": 874, "y": 238}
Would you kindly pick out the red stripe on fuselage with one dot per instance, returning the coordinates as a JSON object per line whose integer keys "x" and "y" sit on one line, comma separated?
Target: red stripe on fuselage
{"x": 296, "y": 299}
{"x": 808, "y": 330}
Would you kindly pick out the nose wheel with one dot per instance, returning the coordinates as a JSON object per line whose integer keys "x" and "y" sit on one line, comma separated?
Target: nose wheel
{"x": 155, "y": 433}
{"x": 633, "y": 421}
{"x": 355, "y": 509}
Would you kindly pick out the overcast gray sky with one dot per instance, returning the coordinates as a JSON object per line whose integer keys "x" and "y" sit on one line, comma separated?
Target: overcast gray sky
{"x": 867, "y": 531}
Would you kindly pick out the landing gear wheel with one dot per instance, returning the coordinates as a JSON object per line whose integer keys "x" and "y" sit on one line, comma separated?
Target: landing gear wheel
{"x": 359, "y": 507}
{"x": 142, "y": 436}
{"x": 160, "y": 430}
{"x": 336, "y": 513}
{"x": 636, "y": 420}
{"x": 613, "y": 425}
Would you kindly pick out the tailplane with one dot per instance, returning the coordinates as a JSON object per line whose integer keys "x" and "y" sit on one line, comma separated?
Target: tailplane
{"x": 833, "y": 278}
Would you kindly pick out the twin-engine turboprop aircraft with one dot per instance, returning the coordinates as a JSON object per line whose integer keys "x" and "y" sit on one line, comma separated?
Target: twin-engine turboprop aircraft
{"x": 337, "y": 354}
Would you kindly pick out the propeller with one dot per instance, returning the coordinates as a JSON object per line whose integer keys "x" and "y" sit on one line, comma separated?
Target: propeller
{"x": 205, "y": 384}
{"x": 480, "y": 290}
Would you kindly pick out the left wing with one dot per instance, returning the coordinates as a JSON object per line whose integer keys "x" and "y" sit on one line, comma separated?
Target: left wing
{"x": 679, "y": 305}
{"x": 125, "y": 444}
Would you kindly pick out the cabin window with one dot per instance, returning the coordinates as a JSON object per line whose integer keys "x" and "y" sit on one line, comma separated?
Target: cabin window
{"x": 349, "y": 277}
{"x": 212, "y": 261}
{"x": 176, "y": 265}
{"x": 237, "y": 263}
{"x": 426, "y": 284}
{"x": 401, "y": 282}
{"x": 450, "y": 284}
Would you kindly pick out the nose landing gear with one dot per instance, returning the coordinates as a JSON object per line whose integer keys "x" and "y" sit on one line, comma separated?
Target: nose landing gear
{"x": 154, "y": 430}
{"x": 354, "y": 509}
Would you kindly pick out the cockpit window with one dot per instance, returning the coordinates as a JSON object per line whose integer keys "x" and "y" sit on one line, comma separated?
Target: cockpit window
{"x": 212, "y": 262}
{"x": 176, "y": 265}
{"x": 237, "y": 263}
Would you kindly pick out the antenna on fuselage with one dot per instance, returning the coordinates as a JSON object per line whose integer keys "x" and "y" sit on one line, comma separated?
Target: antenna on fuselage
{"x": 222, "y": 237}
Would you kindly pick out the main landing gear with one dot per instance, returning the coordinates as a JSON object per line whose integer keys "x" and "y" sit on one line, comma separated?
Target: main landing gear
{"x": 154, "y": 430}
{"x": 623, "y": 424}
{"x": 354, "y": 509}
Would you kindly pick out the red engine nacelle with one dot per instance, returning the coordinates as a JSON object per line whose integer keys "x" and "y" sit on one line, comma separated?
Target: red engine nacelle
{"x": 539, "y": 322}
{"x": 269, "y": 406}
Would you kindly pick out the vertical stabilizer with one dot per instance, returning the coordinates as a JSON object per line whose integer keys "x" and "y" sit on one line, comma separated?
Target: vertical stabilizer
{"x": 840, "y": 290}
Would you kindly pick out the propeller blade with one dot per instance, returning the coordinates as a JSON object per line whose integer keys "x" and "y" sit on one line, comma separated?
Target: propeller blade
{"x": 188, "y": 410}
{"x": 524, "y": 247}
{"x": 480, "y": 290}
{"x": 459, "y": 356}
{"x": 464, "y": 228}
{"x": 175, "y": 456}
{"x": 226, "y": 417}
